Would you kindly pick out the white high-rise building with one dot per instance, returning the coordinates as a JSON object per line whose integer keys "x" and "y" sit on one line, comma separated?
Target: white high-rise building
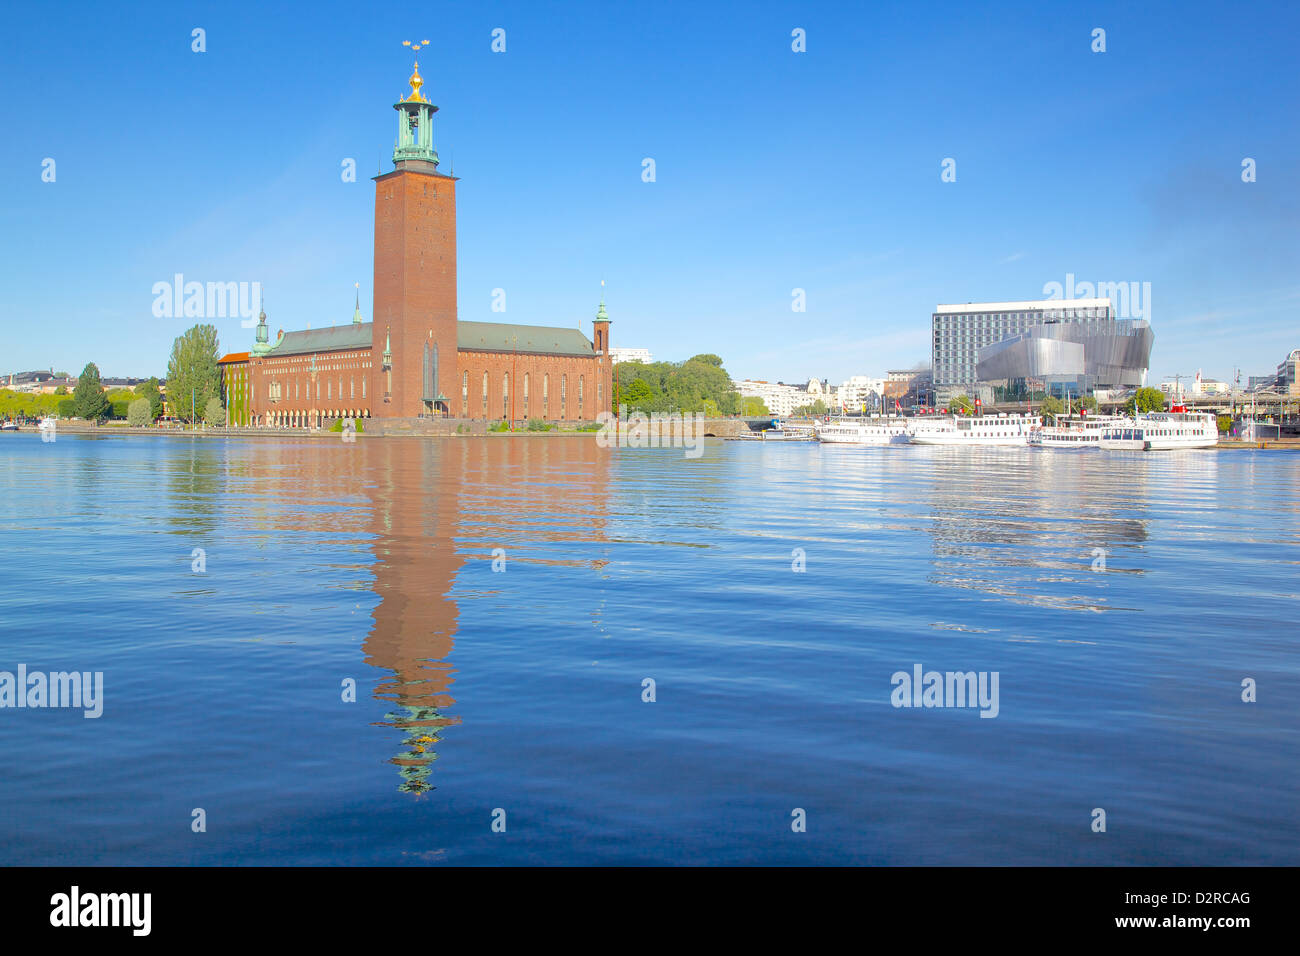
{"x": 780, "y": 399}
{"x": 617, "y": 355}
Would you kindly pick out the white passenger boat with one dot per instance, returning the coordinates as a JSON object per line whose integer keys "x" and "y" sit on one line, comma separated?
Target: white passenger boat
{"x": 1073, "y": 431}
{"x": 972, "y": 430}
{"x": 787, "y": 432}
{"x": 1163, "y": 431}
{"x": 890, "y": 430}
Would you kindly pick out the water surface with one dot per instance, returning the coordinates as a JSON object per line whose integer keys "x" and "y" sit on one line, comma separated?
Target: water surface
{"x": 521, "y": 688}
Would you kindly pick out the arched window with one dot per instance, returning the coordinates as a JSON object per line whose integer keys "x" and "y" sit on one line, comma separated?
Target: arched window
{"x": 600, "y": 397}
{"x": 579, "y": 396}
{"x": 464, "y": 394}
{"x": 525, "y": 394}
{"x": 485, "y": 403}
{"x": 546, "y": 388}
{"x": 363, "y": 386}
{"x": 352, "y": 388}
{"x": 564, "y": 395}
{"x": 505, "y": 394}
{"x": 329, "y": 386}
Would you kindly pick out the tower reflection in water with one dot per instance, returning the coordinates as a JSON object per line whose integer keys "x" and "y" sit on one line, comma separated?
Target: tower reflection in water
{"x": 435, "y": 506}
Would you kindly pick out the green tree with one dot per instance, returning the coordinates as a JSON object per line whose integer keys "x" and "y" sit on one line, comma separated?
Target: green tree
{"x": 88, "y": 398}
{"x": 1052, "y": 406}
{"x": 138, "y": 414}
{"x": 61, "y": 390}
{"x": 816, "y": 408}
{"x": 1146, "y": 400}
{"x": 960, "y": 403}
{"x": 751, "y": 406}
{"x": 1087, "y": 401}
{"x": 637, "y": 394}
{"x": 151, "y": 391}
{"x": 214, "y": 413}
{"x": 1225, "y": 423}
{"x": 192, "y": 376}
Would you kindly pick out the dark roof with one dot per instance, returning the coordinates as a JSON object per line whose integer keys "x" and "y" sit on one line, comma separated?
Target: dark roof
{"x": 336, "y": 338}
{"x": 472, "y": 336}
{"x": 503, "y": 337}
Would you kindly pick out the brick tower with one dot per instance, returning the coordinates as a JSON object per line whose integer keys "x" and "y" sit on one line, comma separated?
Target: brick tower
{"x": 414, "y": 342}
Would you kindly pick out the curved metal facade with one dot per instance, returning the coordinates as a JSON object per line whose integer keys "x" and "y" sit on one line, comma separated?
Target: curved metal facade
{"x": 1112, "y": 355}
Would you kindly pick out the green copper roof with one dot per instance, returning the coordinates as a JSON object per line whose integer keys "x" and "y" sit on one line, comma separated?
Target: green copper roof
{"x": 355, "y": 335}
{"x": 472, "y": 336}
{"x": 502, "y": 337}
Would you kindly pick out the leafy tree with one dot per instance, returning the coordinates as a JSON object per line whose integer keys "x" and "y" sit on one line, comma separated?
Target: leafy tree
{"x": 538, "y": 425}
{"x": 118, "y": 407}
{"x": 1052, "y": 406}
{"x": 151, "y": 391}
{"x": 192, "y": 376}
{"x": 88, "y": 398}
{"x": 214, "y": 413}
{"x": 708, "y": 358}
{"x": 1087, "y": 401}
{"x": 960, "y": 403}
{"x": 61, "y": 390}
{"x": 751, "y": 406}
{"x": 816, "y": 408}
{"x": 1146, "y": 400}
{"x": 637, "y": 393}
{"x": 699, "y": 384}
{"x": 138, "y": 413}
{"x": 68, "y": 408}
{"x": 1225, "y": 423}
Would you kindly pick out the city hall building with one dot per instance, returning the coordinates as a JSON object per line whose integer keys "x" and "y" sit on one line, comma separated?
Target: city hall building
{"x": 416, "y": 359}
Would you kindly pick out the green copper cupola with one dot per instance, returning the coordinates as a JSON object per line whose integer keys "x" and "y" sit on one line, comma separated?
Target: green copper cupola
{"x": 260, "y": 344}
{"x": 415, "y": 125}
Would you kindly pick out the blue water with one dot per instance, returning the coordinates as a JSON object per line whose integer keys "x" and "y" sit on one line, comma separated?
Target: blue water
{"x": 521, "y": 689}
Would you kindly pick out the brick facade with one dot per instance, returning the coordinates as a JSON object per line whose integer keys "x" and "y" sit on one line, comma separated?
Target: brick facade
{"x": 416, "y": 322}
{"x": 557, "y": 388}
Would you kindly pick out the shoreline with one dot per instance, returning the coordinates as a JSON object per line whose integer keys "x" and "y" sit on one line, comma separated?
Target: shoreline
{"x": 81, "y": 428}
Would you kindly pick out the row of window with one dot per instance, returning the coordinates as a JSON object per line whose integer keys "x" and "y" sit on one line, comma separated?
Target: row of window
{"x": 527, "y": 410}
{"x": 276, "y": 390}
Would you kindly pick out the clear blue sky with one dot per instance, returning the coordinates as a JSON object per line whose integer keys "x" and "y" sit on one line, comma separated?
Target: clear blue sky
{"x": 775, "y": 170}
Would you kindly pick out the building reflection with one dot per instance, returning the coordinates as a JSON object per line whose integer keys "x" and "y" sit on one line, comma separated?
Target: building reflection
{"x": 1026, "y": 526}
{"x": 438, "y": 508}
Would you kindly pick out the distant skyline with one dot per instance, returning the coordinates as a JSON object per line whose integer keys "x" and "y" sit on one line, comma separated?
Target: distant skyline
{"x": 775, "y": 170}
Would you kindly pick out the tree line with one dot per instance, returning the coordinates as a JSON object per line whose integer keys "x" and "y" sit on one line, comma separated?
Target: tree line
{"x": 193, "y": 390}
{"x": 699, "y": 384}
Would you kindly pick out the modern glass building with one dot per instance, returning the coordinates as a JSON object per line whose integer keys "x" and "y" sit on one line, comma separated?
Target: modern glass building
{"x": 960, "y": 331}
{"x": 1071, "y": 357}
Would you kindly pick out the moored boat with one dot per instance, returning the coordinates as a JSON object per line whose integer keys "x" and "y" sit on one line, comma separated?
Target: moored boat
{"x": 1162, "y": 431}
{"x": 972, "y": 430}
{"x": 870, "y": 431}
{"x": 1073, "y": 431}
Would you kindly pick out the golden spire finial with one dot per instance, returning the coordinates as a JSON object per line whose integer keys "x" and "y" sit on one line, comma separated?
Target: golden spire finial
{"x": 416, "y": 80}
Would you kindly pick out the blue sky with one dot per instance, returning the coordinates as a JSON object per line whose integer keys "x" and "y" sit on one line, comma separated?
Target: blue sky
{"x": 775, "y": 170}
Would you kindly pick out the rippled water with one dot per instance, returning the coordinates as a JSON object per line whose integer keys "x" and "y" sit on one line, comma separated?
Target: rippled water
{"x": 522, "y": 689}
